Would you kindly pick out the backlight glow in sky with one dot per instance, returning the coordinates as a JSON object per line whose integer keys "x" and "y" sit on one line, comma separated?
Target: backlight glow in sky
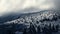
{"x": 7, "y": 6}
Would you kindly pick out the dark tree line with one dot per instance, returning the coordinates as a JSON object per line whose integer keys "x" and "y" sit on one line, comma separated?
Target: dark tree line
{"x": 45, "y": 30}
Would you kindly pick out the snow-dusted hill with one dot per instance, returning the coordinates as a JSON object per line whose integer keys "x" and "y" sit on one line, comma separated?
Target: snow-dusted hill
{"x": 41, "y": 16}
{"x": 42, "y": 19}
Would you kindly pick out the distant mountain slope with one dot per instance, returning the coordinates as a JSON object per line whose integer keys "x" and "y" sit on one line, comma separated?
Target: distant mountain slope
{"x": 47, "y": 21}
{"x": 42, "y": 16}
{"x": 13, "y": 15}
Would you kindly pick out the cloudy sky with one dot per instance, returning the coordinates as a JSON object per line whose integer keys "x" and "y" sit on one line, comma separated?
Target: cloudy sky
{"x": 7, "y": 6}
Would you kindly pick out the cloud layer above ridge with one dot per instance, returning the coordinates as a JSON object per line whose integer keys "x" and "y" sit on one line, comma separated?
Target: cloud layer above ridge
{"x": 7, "y": 6}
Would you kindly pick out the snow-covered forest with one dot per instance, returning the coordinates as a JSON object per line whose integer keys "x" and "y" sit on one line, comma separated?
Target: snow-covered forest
{"x": 43, "y": 22}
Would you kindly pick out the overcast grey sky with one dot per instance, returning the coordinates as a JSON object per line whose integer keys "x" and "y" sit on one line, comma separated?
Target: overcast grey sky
{"x": 7, "y": 6}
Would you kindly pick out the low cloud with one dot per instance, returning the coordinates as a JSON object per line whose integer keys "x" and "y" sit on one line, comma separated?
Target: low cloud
{"x": 7, "y": 6}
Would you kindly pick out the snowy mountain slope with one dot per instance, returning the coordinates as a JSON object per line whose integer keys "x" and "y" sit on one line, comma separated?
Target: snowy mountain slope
{"x": 39, "y": 16}
{"x": 38, "y": 20}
